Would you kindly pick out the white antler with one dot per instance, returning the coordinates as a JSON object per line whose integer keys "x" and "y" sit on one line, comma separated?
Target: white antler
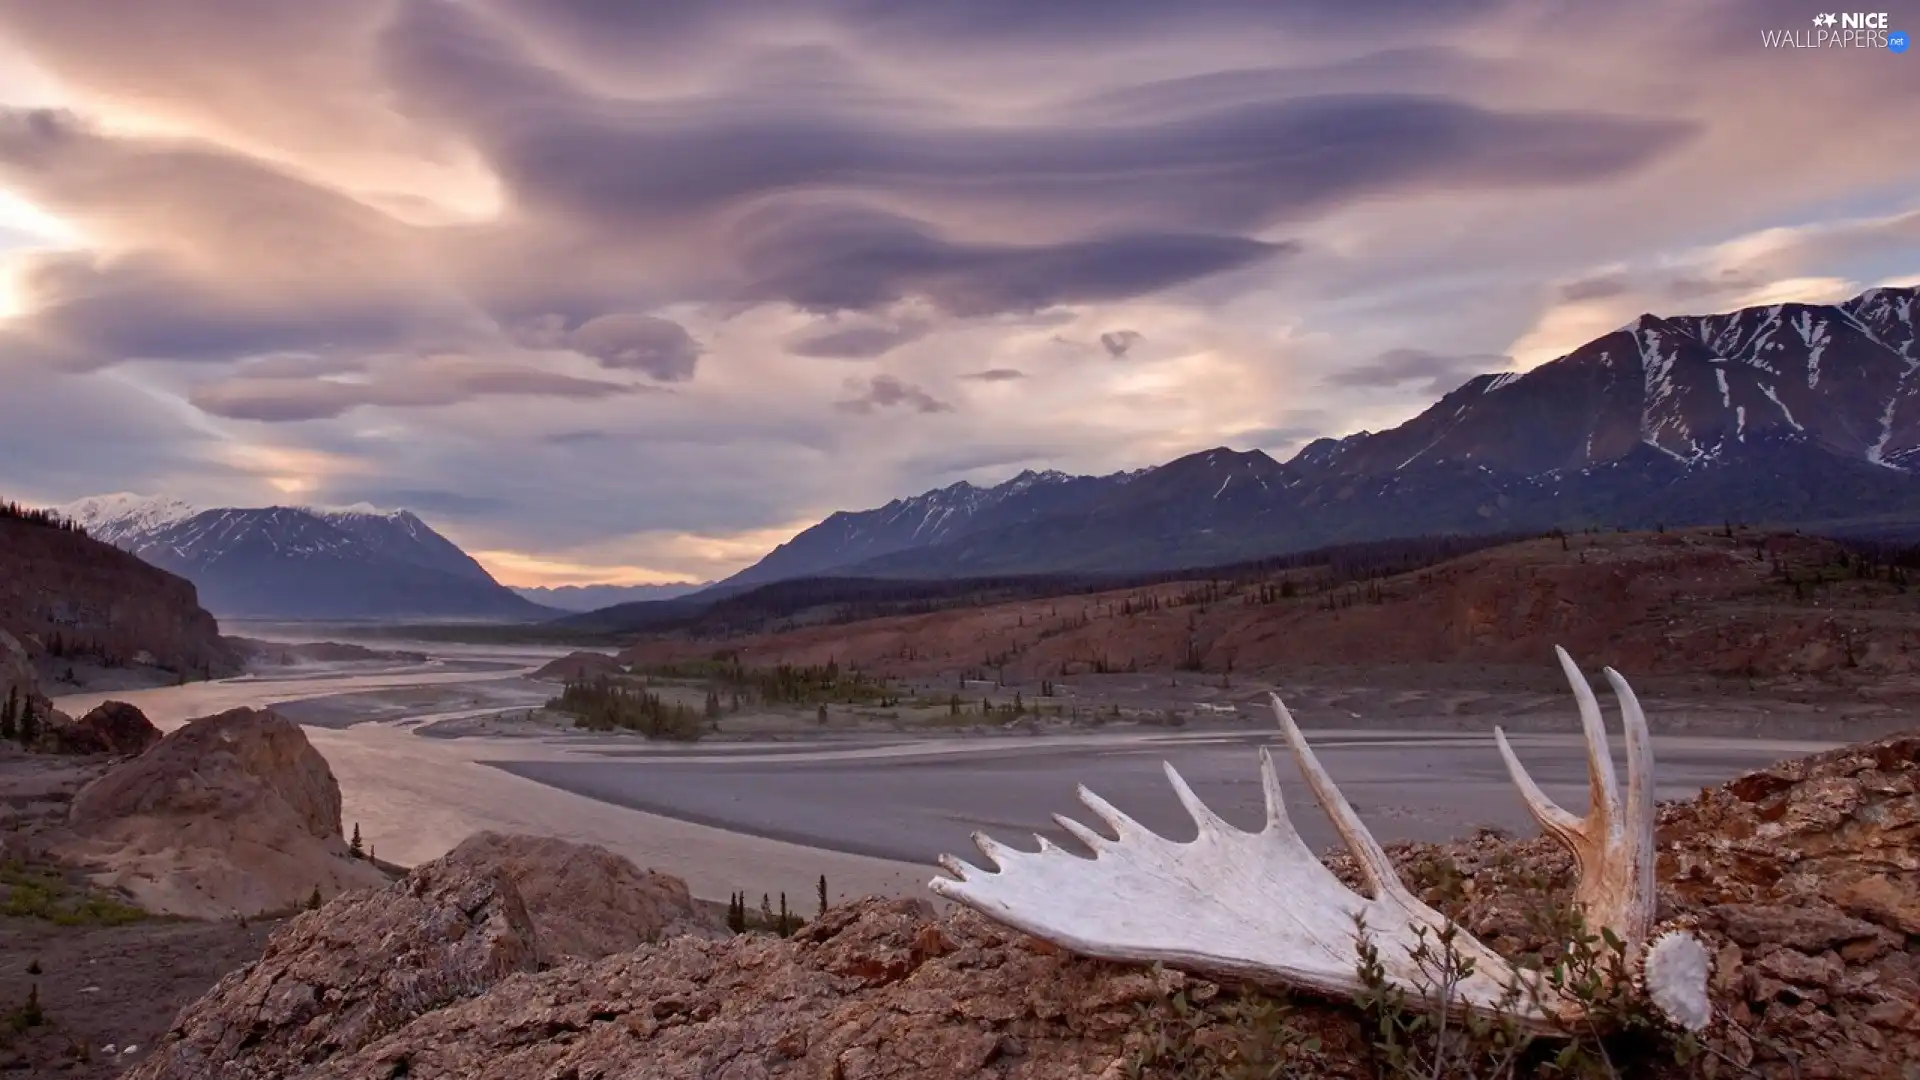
{"x": 1261, "y": 907}
{"x": 1613, "y": 844}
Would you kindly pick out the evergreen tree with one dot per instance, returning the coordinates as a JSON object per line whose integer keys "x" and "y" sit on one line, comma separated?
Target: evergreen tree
{"x": 823, "y": 894}
{"x": 10, "y": 715}
{"x": 28, "y": 726}
{"x": 353, "y": 846}
{"x": 313, "y": 899}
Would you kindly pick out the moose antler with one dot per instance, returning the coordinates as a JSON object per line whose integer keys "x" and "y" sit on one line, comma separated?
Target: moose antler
{"x": 1260, "y": 907}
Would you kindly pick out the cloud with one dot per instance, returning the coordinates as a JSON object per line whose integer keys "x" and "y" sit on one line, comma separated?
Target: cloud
{"x": 659, "y": 347}
{"x": 640, "y": 227}
{"x": 843, "y": 340}
{"x": 887, "y": 392}
{"x": 434, "y": 383}
{"x": 1435, "y": 373}
{"x": 833, "y": 258}
{"x": 1117, "y": 342}
{"x": 1598, "y": 287}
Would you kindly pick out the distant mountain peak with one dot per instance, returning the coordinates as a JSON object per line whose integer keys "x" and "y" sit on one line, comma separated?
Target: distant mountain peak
{"x": 303, "y": 561}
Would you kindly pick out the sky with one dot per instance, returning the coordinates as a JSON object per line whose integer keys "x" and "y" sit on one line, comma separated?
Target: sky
{"x": 629, "y": 292}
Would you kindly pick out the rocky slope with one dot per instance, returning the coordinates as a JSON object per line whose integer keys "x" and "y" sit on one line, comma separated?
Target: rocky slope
{"x": 1787, "y": 414}
{"x": 72, "y": 600}
{"x": 233, "y": 813}
{"x": 1801, "y": 877}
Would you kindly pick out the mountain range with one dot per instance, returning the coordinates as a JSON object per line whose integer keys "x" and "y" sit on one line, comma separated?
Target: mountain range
{"x": 1798, "y": 414}
{"x": 1790, "y": 414}
{"x": 304, "y": 562}
{"x": 594, "y": 597}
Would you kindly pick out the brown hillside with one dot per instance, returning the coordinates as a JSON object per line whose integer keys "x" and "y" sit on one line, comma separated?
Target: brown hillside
{"x": 1780, "y": 608}
{"x": 66, "y": 595}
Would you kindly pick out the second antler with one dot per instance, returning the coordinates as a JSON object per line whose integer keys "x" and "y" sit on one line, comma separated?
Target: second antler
{"x": 1260, "y": 907}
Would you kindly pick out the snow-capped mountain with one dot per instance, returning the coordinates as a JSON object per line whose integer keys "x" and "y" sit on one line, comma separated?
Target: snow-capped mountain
{"x": 1805, "y": 414}
{"x": 304, "y": 562}
{"x": 124, "y": 514}
{"x": 401, "y": 535}
{"x": 934, "y": 517}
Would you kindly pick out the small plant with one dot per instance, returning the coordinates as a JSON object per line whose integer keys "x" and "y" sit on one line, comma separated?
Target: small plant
{"x": 1436, "y": 1037}
{"x": 1422, "y": 1035}
{"x": 30, "y": 1014}
{"x": 1247, "y": 1037}
{"x": 40, "y": 894}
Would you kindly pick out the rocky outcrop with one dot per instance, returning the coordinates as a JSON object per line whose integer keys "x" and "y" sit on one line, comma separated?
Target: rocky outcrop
{"x": 1794, "y": 875}
{"x": 332, "y": 981}
{"x": 18, "y": 679}
{"x": 71, "y": 599}
{"x": 368, "y": 964}
{"x": 585, "y": 901}
{"x": 234, "y": 812}
{"x": 113, "y": 727}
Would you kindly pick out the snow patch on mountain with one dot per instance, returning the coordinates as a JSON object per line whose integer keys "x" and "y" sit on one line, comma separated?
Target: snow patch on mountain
{"x": 123, "y": 514}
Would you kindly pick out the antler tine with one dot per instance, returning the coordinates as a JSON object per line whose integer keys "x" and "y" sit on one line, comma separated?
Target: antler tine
{"x": 1639, "y": 804}
{"x": 1203, "y": 816}
{"x": 1123, "y": 826}
{"x": 1603, "y": 791}
{"x": 1277, "y": 819}
{"x": 1375, "y": 868}
{"x": 1638, "y": 821}
{"x": 1093, "y": 840}
{"x": 1565, "y": 826}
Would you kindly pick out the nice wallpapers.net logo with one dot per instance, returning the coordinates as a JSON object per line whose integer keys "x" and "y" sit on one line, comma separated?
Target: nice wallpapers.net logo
{"x": 1841, "y": 30}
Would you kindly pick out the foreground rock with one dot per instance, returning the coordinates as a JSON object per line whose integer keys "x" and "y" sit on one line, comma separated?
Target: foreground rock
{"x": 230, "y": 813}
{"x": 1797, "y": 876}
{"x": 369, "y": 963}
{"x": 585, "y": 901}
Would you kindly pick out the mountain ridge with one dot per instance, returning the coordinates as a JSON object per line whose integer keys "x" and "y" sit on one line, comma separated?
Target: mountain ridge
{"x": 1787, "y": 413}
{"x": 304, "y": 562}
{"x": 586, "y": 598}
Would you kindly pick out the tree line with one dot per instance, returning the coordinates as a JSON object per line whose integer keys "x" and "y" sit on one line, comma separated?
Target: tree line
{"x": 13, "y": 511}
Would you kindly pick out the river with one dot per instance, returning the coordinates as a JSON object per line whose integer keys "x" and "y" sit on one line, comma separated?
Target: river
{"x": 869, "y": 814}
